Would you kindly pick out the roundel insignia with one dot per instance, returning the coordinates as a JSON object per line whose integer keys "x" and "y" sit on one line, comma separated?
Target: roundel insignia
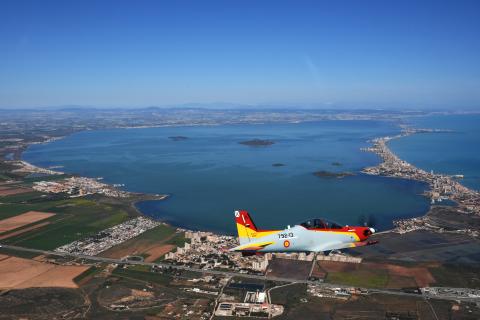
{"x": 286, "y": 243}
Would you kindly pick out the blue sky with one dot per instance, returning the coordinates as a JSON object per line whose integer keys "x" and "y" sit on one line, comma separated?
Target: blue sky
{"x": 337, "y": 53}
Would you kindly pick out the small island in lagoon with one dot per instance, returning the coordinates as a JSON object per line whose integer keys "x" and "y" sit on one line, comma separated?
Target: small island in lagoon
{"x": 178, "y": 138}
{"x": 257, "y": 143}
{"x": 329, "y": 174}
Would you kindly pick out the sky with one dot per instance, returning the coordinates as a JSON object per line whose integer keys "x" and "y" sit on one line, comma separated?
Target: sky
{"x": 326, "y": 54}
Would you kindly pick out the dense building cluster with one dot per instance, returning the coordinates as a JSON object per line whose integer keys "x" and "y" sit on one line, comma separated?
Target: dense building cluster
{"x": 448, "y": 293}
{"x": 333, "y": 292}
{"x": 79, "y": 186}
{"x": 208, "y": 250}
{"x": 110, "y": 237}
{"x": 243, "y": 309}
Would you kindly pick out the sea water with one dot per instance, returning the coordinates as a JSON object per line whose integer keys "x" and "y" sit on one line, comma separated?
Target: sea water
{"x": 456, "y": 151}
{"x": 210, "y": 174}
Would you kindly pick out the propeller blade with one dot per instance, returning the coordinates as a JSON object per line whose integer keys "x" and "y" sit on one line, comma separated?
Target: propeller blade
{"x": 362, "y": 220}
{"x": 372, "y": 221}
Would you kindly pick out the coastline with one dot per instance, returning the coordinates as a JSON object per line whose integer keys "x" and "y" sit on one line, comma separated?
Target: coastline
{"x": 441, "y": 186}
{"x": 145, "y": 197}
{"x": 25, "y": 167}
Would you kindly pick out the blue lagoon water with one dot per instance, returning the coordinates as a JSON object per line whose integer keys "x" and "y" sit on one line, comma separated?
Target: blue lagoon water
{"x": 456, "y": 152}
{"x": 210, "y": 174}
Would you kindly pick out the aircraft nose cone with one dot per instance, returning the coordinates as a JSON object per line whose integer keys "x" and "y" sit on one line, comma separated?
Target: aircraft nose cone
{"x": 368, "y": 231}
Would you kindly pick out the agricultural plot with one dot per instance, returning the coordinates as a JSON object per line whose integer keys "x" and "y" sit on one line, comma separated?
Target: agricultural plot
{"x": 75, "y": 219}
{"x": 17, "y": 273}
{"x": 12, "y": 191}
{"x": 23, "y": 220}
{"x": 376, "y": 275}
{"x": 152, "y": 244}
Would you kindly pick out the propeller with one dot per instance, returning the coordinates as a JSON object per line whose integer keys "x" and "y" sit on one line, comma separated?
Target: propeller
{"x": 369, "y": 221}
{"x": 362, "y": 220}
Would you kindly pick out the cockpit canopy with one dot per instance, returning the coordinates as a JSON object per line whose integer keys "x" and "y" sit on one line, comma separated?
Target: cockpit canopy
{"x": 320, "y": 223}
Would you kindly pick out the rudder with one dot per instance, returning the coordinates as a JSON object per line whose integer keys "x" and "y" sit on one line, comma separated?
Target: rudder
{"x": 246, "y": 229}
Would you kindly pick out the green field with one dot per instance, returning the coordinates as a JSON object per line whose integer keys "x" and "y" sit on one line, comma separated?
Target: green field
{"x": 289, "y": 295}
{"x": 142, "y": 275}
{"x": 89, "y": 272}
{"x": 457, "y": 275}
{"x": 21, "y": 197}
{"x": 76, "y": 219}
{"x": 360, "y": 278}
{"x": 155, "y": 236}
{"x": 6, "y": 171}
{"x": 33, "y": 201}
{"x": 178, "y": 240}
{"x": 18, "y": 253}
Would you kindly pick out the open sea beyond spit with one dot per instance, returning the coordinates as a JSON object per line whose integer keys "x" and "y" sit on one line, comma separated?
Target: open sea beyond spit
{"x": 209, "y": 174}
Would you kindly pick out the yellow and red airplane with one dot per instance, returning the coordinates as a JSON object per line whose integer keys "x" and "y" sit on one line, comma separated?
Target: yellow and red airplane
{"x": 313, "y": 235}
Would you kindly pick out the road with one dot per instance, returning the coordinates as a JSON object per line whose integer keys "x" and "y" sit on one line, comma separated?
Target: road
{"x": 228, "y": 273}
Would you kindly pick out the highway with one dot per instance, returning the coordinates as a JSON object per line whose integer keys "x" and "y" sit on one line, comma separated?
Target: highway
{"x": 232, "y": 274}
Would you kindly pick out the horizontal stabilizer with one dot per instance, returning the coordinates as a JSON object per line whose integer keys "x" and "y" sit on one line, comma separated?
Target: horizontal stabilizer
{"x": 254, "y": 246}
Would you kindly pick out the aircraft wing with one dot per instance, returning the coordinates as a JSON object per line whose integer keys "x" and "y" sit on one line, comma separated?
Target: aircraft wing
{"x": 253, "y": 246}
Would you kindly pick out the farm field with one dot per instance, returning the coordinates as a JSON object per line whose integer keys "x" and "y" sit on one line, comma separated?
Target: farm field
{"x": 151, "y": 244}
{"x": 23, "y": 219}
{"x": 376, "y": 275}
{"x": 4, "y": 191}
{"x": 20, "y": 273}
{"x": 74, "y": 218}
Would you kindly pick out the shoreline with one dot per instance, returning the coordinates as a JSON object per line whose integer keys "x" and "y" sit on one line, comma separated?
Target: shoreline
{"x": 25, "y": 167}
{"x": 441, "y": 186}
{"x": 30, "y": 168}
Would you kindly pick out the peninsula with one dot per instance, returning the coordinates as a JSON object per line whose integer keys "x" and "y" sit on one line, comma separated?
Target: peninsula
{"x": 442, "y": 186}
{"x": 106, "y": 259}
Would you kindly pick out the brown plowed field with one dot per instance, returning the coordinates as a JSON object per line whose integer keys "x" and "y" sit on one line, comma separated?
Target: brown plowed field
{"x": 12, "y": 191}
{"x": 24, "y": 273}
{"x": 158, "y": 251}
{"x": 59, "y": 276}
{"x": 422, "y": 276}
{"x": 16, "y": 233}
{"x": 23, "y": 219}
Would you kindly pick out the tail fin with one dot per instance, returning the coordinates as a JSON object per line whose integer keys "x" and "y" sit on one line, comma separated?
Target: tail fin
{"x": 247, "y": 230}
